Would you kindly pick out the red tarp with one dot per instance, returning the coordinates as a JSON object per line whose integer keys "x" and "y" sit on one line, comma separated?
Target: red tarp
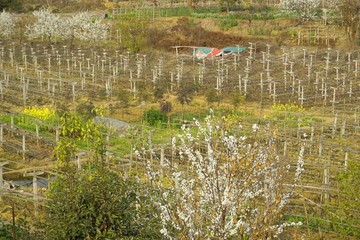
{"x": 214, "y": 52}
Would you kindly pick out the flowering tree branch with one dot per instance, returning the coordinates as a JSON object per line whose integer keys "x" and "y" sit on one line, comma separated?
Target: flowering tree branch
{"x": 234, "y": 186}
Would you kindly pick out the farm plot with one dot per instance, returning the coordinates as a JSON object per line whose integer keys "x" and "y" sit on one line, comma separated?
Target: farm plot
{"x": 326, "y": 81}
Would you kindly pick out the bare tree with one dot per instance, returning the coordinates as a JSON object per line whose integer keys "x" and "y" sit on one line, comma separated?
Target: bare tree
{"x": 349, "y": 11}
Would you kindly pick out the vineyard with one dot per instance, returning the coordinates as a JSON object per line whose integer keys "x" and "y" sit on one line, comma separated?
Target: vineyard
{"x": 285, "y": 117}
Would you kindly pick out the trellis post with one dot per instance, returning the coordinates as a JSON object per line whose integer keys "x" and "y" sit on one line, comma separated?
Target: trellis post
{"x": 35, "y": 188}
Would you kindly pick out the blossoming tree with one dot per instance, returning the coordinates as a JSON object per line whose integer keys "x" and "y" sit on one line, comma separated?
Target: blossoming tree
{"x": 232, "y": 185}
{"x": 47, "y": 25}
{"x": 81, "y": 26}
{"x": 7, "y": 24}
{"x": 304, "y": 8}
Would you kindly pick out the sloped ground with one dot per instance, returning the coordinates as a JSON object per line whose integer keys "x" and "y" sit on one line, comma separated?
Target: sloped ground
{"x": 185, "y": 34}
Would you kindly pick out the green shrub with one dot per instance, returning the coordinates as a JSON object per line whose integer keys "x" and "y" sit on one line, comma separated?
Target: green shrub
{"x": 226, "y": 24}
{"x": 98, "y": 204}
{"x": 153, "y": 117}
{"x": 346, "y": 220}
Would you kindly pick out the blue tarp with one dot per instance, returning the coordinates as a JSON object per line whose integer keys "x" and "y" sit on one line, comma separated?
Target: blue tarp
{"x": 206, "y": 50}
{"x": 234, "y": 49}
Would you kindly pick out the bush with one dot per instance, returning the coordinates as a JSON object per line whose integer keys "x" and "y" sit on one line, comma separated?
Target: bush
{"x": 226, "y": 24}
{"x": 133, "y": 31}
{"x": 97, "y": 204}
{"x": 346, "y": 220}
{"x": 212, "y": 96}
{"x": 153, "y": 117}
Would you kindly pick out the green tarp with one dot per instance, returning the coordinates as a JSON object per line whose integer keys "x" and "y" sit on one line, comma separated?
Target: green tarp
{"x": 206, "y": 50}
{"x": 234, "y": 49}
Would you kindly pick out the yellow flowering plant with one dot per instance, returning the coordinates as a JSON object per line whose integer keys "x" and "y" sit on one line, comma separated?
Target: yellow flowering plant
{"x": 43, "y": 113}
{"x": 291, "y": 112}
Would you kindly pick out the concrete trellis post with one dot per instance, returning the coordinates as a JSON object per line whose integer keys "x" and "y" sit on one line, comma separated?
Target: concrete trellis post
{"x": 2, "y": 164}
{"x": 312, "y": 138}
{"x": 79, "y": 159}
{"x": 334, "y": 98}
{"x": 343, "y": 129}
{"x": 49, "y": 65}
{"x": 23, "y": 146}
{"x": 35, "y": 188}
{"x": 108, "y": 87}
{"x": 344, "y": 75}
{"x": 49, "y": 86}
{"x": 25, "y": 63}
{"x": 337, "y": 75}
{"x": 349, "y": 61}
{"x": 261, "y": 83}
{"x": 302, "y": 96}
{"x": 57, "y": 133}
{"x": 2, "y": 133}
{"x": 326, "y": 179}
{"x": 309, "y": 73}
{"x": 350, "y": 90}
{"x": 346, "y": 159}
{"x": 68, "y": 66}
{"x": 172, "y": 80}
{"x": 73, "y": 90}
{"x": 24, "y": 94}
{"x": 335, "y": 124}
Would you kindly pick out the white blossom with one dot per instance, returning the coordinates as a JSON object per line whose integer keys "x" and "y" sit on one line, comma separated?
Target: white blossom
{"x": 7, "y": 23}
{"x": 229, "y": 175}
{"x": 81, "y": 26}
{"x": 305, "y": 8}
{"x": 47, "y": 25}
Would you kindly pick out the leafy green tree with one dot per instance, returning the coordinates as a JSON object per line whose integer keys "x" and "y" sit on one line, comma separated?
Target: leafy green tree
{"x": 184, "y": 95}
{"x": 212, "y": 96}
{"x": 346, "y": 218}
{"x": 133, "y": 30}
{"x": 10, "y": 5}
{"x": 95, "y": 202}
{"x": 153, "y": 117}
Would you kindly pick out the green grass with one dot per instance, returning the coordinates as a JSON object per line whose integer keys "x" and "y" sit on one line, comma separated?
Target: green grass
{"x": 25, "y": 122}
{"x": 238, "y": 13}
